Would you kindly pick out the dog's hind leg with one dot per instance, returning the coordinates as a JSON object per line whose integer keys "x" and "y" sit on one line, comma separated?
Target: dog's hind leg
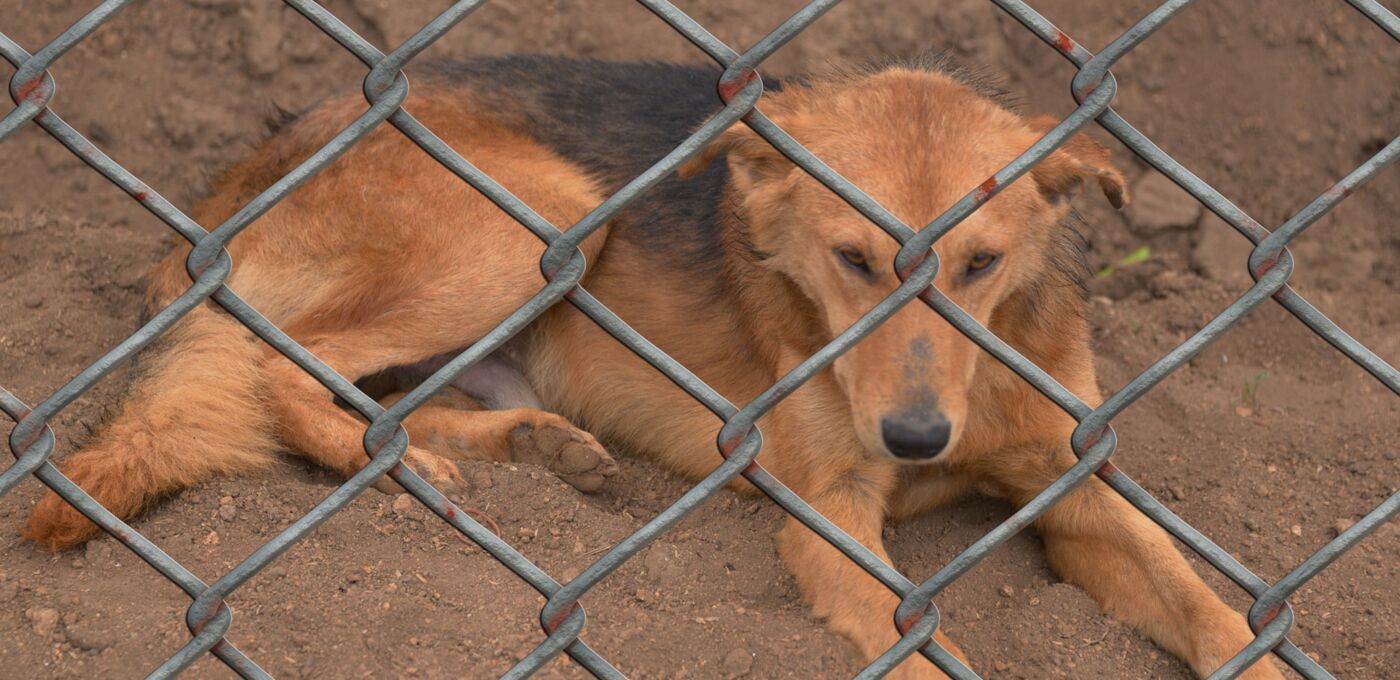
{"x": 312, "y": 425}
{"x": 514, "y": 428}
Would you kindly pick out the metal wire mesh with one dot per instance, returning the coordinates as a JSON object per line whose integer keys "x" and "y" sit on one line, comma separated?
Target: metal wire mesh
{"x": 563, "y": 620}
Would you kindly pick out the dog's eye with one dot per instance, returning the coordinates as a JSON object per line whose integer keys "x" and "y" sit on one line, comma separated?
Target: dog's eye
{"x": 981, "y": 261}
{"x": 854, "y": 259}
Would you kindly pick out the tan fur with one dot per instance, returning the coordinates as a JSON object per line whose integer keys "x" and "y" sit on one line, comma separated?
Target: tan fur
{"x": 370, "y": 263}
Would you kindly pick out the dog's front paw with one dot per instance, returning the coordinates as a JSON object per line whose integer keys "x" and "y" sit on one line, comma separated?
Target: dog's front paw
{"x": 572, "y": 454}
{"x": 434, "y": 469}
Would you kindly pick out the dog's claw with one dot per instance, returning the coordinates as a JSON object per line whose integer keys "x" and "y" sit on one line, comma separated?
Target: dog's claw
{"x": 570, "y": 453}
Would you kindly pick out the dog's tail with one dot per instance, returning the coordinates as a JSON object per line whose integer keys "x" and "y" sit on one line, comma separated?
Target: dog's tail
{"x": 195, "y": 408}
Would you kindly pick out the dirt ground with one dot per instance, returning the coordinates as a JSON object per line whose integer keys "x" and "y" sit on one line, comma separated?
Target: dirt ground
{"x": 1266, "y": 442}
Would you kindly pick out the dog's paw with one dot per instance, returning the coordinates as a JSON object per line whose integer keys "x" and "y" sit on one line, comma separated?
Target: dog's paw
{"x": 570, "y": 453}
{"x": 434, "y": 469}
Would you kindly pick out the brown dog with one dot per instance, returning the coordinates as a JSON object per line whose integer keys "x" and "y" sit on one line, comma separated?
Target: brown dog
{"x": 385, "y": 260}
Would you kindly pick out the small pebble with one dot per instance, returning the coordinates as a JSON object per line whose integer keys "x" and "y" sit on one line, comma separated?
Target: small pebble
{"x": 1159, "y": 205}
{"x": 738, "y": 662}
{"x": 1007, "y": 591}
{"x": 481, "y": 478}
{"x": 42, "y": 619}
{"x": 182, "y": 45}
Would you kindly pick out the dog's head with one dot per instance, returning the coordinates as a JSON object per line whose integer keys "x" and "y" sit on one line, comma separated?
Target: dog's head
{"x": 916, "y": 140}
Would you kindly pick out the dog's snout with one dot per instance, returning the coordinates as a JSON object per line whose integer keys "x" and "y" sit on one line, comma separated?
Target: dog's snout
{"x": 916, "y": 438}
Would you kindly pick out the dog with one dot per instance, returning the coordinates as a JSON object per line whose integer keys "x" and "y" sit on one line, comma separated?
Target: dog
{"x": 386, "y": 262}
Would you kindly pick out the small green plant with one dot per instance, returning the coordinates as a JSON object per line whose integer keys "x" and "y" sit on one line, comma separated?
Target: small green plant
{"x": 1142, "y": 254}
{"x": 1250, "y": 394}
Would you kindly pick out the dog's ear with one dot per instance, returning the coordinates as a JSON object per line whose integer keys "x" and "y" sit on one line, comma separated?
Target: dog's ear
{"x": 752, "y": 160}
{"x": 1080, "y": 158}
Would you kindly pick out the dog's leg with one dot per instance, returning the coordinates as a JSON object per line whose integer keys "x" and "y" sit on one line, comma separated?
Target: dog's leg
{"x": 523, "y": 435}
{"x": 312, "y": 425}
{"x": 852, "y": 601}
{"x": 1097, "y": 540}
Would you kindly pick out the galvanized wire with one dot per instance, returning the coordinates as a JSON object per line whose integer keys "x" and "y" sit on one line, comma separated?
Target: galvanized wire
{"x": 563, "y": 620}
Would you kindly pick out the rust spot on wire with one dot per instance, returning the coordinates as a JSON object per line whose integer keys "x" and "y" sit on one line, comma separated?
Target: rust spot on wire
{"x": 201, "y": 623}
{"x": 907, "y": 624}
{"x": 1267, "y": 265}
{"x": 203, "y": 267}
{"x": 985, "y": 189}
{"x": 27, "y": 89}
{"x": 727, "y": 446}
{"x": 1093, "y": 439}
{"x": 142, "y": 193}
{"x": 1270, "y": 615}
{"x": 1108, "y": 469}
{"x": 27, "y": 442}
{"x": 1063, "y": 42}
{"x": 553, "y": 624}
{"x": 913, "y": 264}
{"x": 729, "y": 88}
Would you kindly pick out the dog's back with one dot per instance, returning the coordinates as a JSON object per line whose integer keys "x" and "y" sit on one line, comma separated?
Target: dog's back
{"x": 615, "y": 120}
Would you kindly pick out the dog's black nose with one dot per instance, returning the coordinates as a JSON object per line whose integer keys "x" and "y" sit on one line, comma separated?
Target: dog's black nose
{"x": 916, "y": 439}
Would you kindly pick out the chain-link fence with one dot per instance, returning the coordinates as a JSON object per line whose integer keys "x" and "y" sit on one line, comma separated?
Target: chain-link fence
{"x": 32, "y": 440}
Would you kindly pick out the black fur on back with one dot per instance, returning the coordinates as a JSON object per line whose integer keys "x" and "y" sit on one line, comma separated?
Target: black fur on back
{"x": 617, "y": 119}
